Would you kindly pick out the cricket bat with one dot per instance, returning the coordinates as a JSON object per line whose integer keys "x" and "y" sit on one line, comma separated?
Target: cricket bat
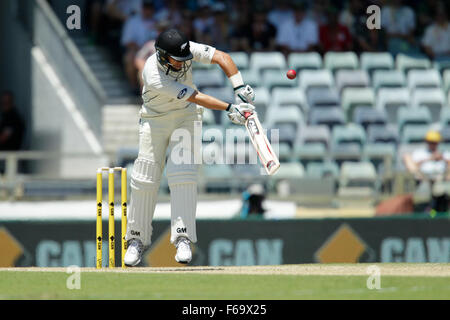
{"x": 259, "y": 140}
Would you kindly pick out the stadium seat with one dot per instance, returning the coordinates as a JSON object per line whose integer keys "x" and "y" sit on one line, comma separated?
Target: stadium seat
{"x": 341, "y": 153}
{"x": 358, "y": 174}
{"x": 355, "y": 97}
{"x": 311, "y": 152}
{"x": 289, "y": 115}
{"x": 315, "y": 78}
{"x": 445, "y": 136}
{"x": 286, "y": 134}
{"x": 388, "y": 79}
{"x": 442, "y": 64}
{"x": 225, "y": 94}
{"x": 433, "y": 99}
{"x": 408, "y": 62}
{"x": 262, "y": 102}
{"x": 304, "y": 60}
{"x": 340, "y": 60}
{"x": 208, "y": 117}
{"x": 289, "y": 171}
{"x": 217, "y": 177}
{"x": 327, "y": 116}
{"x": 251, "y": 77}
{"x": 351, "y": 78}
{"x": 284, "y": 151}
{"x": 267, "y": 60}
{"x": 208, "y": 78}
{"x": 241, "y": 59}
{"x": 377, "y": 152}
{"x": 284, "y": 115}
{"x": 315, "y": 134}
{"x": 275, "y": 78}
{"x": 371, "y": 61}
{"x": 350, "y": 133}
{"x": 212, "y": 132}
{"x": 412, "y": 116}
{"x": 382, "y": 134}
{"x": 391, "y": 99}
{"x": 445, "y": 117}
{"x": 320, "y": 170}
{"x": 446, "y": 81}
{"x": 366, "y": 116}
{"x": 424, "y": 79}
{"x": 323, "y": 97}
{"x": 202, "y": 66}
{"x": 414, "y": 133}
{"x": 289, "y": 96}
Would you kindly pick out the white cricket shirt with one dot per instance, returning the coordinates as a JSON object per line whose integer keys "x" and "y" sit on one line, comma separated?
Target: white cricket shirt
{"x": 161, "y": 93}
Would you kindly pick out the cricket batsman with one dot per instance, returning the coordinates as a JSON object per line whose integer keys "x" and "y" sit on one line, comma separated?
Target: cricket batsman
{"x": 170, "y": 102}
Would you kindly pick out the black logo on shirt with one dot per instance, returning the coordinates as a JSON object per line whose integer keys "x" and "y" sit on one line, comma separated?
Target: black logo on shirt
{"x": 182, "y": 93}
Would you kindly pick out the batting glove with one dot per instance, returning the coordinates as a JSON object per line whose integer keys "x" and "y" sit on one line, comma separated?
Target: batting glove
{"x": 237, "y": 112}
{"x": 244, "y": 94}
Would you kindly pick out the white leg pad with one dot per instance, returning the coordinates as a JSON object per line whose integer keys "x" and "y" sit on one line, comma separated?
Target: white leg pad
{"x": 182, "y": 180}
{"x": 145, "y": 181}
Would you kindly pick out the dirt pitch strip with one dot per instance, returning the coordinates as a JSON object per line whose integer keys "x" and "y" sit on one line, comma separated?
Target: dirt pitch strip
{"x": 386, "y": 269}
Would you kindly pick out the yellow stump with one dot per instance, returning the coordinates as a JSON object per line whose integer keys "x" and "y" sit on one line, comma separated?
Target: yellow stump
{"x": 99, "y": 219}
{"x": 124, "y": 214}
{"x": 112, "y": 260}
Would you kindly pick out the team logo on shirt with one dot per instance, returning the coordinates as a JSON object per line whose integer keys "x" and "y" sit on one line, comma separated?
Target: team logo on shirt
{"x": 182, "y": 93}
{"x": 183, "y": 46}
{"x": 206, "y": 49}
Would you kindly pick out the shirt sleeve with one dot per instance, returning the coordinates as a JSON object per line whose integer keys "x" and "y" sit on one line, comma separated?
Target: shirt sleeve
{"x": 202, "y": 52}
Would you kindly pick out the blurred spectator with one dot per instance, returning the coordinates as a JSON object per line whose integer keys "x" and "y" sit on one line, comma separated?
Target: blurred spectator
{"x": 436, "y": 41}
{"x": 426, "y": 11}
{"x": 333, "y": 35}
{"x": 12, "y": 126}
{"x": 299, "y": 34}
{"x": 353, "y": 15}
{"x": 147, "y": 50}
{"x": 171, "y": 13}
{"x": 138, "y": 30}
{"x": 187, "y": 25}
{"x": 253, "y": 202}
{"x": 106, "y": 18}
{"x": 220, "y": 30}
{"x": 281, "y": 13}
{"x": 123, "y": 9}
{"x": 203, "y": 24}
{"x": 259, "y": 35}
{"x": 430, "y": 166}
{"x": 318, "y": 11}
{"x": 399, "y": 23}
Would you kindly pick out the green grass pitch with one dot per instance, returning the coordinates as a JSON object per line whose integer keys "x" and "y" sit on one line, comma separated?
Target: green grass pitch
{"x": 218, "y": 286}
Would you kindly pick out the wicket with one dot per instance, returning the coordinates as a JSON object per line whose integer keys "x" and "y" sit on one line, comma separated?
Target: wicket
{"x": 111, "y": 231}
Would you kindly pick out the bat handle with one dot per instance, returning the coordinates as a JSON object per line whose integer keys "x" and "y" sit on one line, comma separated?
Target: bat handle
{"x": 247, "y": 114}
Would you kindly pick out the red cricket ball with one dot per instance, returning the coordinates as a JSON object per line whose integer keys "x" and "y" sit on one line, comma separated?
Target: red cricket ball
{"x": 291, "y": 74}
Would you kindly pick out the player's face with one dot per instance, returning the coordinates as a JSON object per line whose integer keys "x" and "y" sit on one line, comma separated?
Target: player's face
{"x": 177, "y": 65}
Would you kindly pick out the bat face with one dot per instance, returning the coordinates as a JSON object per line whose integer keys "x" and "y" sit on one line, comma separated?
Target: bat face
{"x": 263, "y": 148}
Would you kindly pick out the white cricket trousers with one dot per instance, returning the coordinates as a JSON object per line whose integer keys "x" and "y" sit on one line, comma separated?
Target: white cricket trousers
{"x": 173, "y": 135}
